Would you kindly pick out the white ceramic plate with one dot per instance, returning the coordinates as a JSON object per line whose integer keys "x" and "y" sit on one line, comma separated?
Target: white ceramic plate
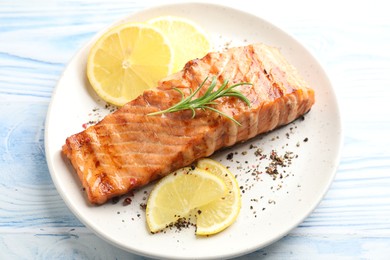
{"x": 271, "y": 206}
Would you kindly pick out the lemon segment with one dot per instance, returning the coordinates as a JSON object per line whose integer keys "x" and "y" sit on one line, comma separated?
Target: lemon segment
{"x": 221, "y": 213}
{"x": 177, "y": 194}
{"x": 189, "y": 41}
{"x": 127, "y": 60}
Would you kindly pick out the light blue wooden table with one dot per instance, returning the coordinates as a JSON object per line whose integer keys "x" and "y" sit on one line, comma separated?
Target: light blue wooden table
{"x": 350, "y": 39}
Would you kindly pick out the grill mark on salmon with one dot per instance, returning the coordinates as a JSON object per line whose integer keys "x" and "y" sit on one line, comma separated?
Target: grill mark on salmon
{"x": 129, "y": 149}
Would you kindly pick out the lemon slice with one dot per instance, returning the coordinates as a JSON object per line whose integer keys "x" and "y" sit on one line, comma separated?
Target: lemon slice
{"x": 177, "y": 194}
{"x": 189, "y": 41}
{"x": 221, "y": 213}
{"x": 127, "y": 60}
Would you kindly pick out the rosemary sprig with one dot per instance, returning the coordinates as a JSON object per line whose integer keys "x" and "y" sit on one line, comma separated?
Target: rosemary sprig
{"x": 207, "y": 100}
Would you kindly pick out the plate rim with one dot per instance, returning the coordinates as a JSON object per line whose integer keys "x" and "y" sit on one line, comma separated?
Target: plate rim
{"x": 337, "y": 151}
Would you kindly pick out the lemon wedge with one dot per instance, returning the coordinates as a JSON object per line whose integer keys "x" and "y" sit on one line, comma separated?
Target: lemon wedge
{"x": 189, "y": 41}
{"x": 177, "y": 194}
{"x": 221, "y": 213}
{"x": 128, "y": 59}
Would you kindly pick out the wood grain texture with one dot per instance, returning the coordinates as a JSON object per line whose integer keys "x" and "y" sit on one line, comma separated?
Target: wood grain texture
{"x": 350, "y": 39}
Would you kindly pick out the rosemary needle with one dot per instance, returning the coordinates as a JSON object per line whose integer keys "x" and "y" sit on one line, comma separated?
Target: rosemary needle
{"x": 204, "y": 102}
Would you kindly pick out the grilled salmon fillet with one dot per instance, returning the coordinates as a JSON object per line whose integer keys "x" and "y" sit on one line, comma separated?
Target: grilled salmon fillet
{"x": 130, "y": 148}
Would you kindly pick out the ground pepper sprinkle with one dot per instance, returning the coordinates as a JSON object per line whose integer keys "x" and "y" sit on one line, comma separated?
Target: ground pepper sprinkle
{"x": 274, "y": 163}
{"x": 127, "y": 201}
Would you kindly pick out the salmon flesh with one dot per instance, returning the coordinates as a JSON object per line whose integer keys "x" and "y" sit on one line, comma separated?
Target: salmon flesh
{"x": 129, "y": 148}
